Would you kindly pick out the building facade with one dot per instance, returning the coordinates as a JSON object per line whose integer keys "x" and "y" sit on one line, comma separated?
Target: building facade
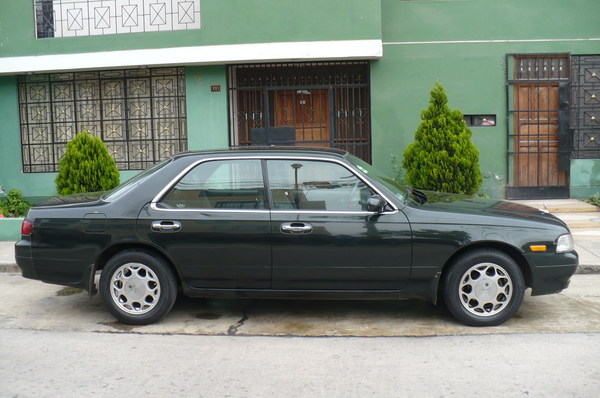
{"x": 156, "y": 77}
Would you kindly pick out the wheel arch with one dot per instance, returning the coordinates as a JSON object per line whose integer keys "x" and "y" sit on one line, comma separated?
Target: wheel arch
{"x": 111, "y": 251}
{"x": 507, "y": 249}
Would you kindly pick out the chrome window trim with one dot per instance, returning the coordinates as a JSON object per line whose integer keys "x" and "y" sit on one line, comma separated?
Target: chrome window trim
{"x": 277, "y": 211}
{"x": 357, "y": 212}
{"x": 179, "y": 176}
{"x": 154, "y": 206}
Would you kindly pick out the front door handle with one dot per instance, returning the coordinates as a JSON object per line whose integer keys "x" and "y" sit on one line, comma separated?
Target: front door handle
{"x": 166, "y": 226}
{"x": 296, "y": 228}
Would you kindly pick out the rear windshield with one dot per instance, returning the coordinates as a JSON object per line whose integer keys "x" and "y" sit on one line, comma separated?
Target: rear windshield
{"x": 134, "y": 181}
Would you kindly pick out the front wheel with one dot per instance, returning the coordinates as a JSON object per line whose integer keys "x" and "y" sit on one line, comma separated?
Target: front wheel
{"x": 483, "y": 288}
{"x": 138, "y": 288}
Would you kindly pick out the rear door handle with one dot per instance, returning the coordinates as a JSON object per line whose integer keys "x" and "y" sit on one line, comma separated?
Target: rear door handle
{"x": 166, "y": 226}
{"x": 296, "y": 228}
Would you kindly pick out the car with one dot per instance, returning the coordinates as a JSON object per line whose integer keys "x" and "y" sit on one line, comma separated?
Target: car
{"x": 287, "y": 222}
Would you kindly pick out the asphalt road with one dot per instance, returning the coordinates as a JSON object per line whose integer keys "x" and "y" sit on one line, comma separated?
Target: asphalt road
{"x": 59, "y": 342}
{"x": 81, "y": 364}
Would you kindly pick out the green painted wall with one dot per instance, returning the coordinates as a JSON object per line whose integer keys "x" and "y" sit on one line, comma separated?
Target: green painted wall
{"x": 207, "y": 116}
{"x": 11, "y": 175}
{"x": 10, "y": 229}
{"x": 585, "y": 177}
{"x": 433, "y": 20}
{"x": 461, "y": 43}
{"x": 472, "y": 70}
{"x": 223, "y": 22}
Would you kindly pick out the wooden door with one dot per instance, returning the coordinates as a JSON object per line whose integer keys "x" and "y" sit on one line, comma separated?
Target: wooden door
{"x": 536, "y": 158}
{"x": 307, "y": 111}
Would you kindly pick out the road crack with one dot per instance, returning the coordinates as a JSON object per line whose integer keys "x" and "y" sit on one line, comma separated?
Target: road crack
{"x": 233, "y": 329}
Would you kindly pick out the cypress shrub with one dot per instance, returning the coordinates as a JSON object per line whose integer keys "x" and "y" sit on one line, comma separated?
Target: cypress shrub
{"x": 86, "y": 167}
{"x": 442, "y": 157}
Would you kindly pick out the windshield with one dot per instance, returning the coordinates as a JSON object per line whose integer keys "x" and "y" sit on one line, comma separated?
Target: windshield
{"x": 398, "y": 190}
{"x": 134, "y": 181}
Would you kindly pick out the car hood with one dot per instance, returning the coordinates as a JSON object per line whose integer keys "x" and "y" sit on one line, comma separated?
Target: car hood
{"x": 485, "y": 211}
{"x": 77, "y": 199}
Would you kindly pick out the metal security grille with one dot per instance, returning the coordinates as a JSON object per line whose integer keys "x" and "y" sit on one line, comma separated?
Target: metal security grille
{"x": 138, "y": 113}
{"x": 322, "y": 104}
{"x": 538, "y": 136}
{"x": 77, "y": 18}
{"x": 585, "y": 106}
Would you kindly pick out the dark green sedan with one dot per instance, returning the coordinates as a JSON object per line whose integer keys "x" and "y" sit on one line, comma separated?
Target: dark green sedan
{"x": 290, "y": 223}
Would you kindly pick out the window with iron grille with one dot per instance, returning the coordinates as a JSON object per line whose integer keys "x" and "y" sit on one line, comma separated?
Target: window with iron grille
{"x": 541, "y": 67}
{"x": 138, "y": 113}
{"x": 312, "y": 104}
{"x": 77, "y": 18}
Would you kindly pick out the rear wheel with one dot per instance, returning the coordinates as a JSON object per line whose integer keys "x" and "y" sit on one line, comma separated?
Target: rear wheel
{"x": 137, "y": 287}
{"x": 483, "y": 288}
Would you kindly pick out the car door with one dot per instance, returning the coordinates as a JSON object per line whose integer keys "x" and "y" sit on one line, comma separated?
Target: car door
{"x": 214, "y": 224}
{"x": 323, "y": 237}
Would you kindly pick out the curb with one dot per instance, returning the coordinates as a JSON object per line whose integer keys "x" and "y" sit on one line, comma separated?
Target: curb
{"x": 9, "y": 268}
{"x": 588, "y": 269}
{"x": 581, "y": 269}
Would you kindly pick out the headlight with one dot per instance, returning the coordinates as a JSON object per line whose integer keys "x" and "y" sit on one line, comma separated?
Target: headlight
{"x": 565, "y": 244}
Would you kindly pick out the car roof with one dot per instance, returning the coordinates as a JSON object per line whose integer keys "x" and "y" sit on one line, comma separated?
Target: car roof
{"x": 267, "y": 150}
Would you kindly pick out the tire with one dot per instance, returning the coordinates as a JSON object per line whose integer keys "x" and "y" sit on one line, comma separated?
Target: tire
{"x": 483, "y": 288}
{"x": 137, "y": 287}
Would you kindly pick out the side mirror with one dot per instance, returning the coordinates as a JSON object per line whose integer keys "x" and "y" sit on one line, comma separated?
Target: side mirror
{"x": 376, "y": 204}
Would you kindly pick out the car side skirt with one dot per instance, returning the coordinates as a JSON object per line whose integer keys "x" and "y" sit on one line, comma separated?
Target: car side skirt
{"x": 299, "y": 294}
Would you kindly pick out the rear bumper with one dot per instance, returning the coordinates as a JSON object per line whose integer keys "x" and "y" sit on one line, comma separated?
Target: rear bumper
{"x": 66, "y": 272}
{"x": 24, "y": 259}
{"x": 555, "y": 277}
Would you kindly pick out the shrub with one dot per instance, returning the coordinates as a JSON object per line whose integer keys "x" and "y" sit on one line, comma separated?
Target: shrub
{"x": 399, "y": 173}
{"x": 14, "y": 205}
{"x": 594, "y": 199}
{"x": 86, "y": 167}
{"x": 442, "y": 158}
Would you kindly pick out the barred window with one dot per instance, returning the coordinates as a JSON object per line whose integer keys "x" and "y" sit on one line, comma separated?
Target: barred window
{"x": 77, "y": 18}
{"x": 541, "y": 67}
{"x": 138, "y": 113}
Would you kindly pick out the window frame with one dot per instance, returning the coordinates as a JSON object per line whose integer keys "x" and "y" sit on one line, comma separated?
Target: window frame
{"x": 223, "y": 162}
{"x": 155, "y": 204}
{"x": 328, "y": 196}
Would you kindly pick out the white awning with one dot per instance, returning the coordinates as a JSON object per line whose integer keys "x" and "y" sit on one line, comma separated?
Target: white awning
{"x": 201, "y": 55}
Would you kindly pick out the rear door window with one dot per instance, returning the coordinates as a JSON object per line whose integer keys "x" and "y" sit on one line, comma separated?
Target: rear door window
{"x": 220, "y": 184}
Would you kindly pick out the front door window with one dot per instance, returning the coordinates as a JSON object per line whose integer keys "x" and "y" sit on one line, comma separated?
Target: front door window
{"x": 312, "y": 185}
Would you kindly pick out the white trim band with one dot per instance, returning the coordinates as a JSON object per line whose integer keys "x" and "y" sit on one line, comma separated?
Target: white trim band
{"x": 200, "y": 55}
{"x": 408, "y": 43}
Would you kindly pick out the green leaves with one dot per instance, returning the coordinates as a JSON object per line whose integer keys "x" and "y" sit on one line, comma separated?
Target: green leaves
{"x": 442, "y": 158}
{"x": 14, "y": 205}
{"x": 86, "y": 167}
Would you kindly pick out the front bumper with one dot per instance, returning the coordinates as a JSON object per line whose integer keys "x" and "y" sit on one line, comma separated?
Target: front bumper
{"x": 554, "y": 274}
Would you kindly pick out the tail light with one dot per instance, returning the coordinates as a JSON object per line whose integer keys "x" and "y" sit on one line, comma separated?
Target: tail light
{"x": 26, "y": 227}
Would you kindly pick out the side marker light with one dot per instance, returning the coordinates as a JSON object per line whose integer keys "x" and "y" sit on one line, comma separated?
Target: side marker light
{"x": 538, "y": 248}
